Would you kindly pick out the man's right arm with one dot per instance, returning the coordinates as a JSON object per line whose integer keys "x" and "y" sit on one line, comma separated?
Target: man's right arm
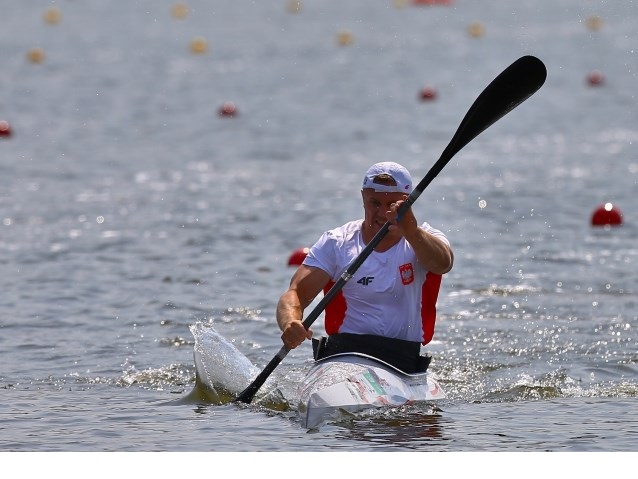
{"x": 306, "y": 283}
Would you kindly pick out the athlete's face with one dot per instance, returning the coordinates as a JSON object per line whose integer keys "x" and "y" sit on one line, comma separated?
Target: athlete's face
{"x": 375, "y": 205}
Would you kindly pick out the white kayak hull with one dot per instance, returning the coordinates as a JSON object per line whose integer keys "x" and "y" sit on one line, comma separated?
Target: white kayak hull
{"x": 355, "y": 382}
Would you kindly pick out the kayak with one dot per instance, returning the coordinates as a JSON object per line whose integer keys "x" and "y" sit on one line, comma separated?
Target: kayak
{"x": 353, "y": 382}
{"x": 338, "y": 384}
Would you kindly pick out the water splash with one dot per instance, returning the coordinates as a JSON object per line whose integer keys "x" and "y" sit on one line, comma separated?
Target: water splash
{"x": 223, "y": 372}
{"x": 221, "y": 368}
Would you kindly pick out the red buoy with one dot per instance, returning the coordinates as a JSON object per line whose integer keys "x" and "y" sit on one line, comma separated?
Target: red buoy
{"x": 606, "y": 215}
{"x": 228, "y": 109}
{"x": 5, "y": 128}
{"x": 595, "y": 78}
{"x": 297, "y": 256}
{"x": 427, "y": 93}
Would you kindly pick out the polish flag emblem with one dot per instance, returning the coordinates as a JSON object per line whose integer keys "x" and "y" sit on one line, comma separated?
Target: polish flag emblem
{"x": 407, "y": 273}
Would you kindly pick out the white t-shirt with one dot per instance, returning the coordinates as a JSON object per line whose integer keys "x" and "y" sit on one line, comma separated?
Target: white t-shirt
{"x": 384, "y": 295}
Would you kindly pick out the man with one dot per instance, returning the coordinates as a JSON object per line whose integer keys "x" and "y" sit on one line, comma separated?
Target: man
{"x": 386, "y": 309}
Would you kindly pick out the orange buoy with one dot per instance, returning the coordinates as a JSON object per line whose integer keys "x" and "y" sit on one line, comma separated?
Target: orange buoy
{"x": 427, "y": 93}
{"x": 179, "y": 11}
{"x": 5, "y": 129}
{"x": 606, "y": 215}
{"x": 595, "y": 78}
{"x": 199, "y": 45}
{"x": 52, "y": 15}
{"x": 227, "y": 109}
{"x": 594, "y": 23}
{"x": 476, "y": 29}
{"x": 297, "y": 256}
{"x": 344, "y": 38}
{"x": 35, "y": 55}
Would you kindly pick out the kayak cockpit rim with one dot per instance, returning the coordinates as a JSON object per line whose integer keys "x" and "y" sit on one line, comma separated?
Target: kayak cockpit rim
{"x": 374, "y": 360}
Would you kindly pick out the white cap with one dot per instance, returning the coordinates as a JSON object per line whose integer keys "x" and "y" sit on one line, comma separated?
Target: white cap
{"x": 398, "y": 173}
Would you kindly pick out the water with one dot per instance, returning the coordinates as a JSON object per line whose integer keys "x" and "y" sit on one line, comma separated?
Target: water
{"x": 130, "y": 210}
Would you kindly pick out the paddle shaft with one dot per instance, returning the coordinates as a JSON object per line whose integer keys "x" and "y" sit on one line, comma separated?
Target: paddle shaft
{"x": 514, "y": 85}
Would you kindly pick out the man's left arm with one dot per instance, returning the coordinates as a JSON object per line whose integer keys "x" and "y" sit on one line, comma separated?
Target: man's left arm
{"x": 433, "y": 253}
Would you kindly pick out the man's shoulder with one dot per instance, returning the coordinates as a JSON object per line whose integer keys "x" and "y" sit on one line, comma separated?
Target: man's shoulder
{"x": 435, "y": 232}
{"x": 346, "y": 230}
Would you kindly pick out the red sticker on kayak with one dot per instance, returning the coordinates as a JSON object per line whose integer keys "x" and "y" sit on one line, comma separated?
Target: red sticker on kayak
{"x": 407, "y": 273}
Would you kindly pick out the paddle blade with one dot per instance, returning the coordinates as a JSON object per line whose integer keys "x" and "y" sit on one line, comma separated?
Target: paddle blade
{"x": 512, "y": 87}
{"x": 247, "y": 395}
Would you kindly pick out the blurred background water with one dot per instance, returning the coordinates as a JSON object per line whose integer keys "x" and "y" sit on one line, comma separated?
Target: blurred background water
{"x": 131, "y": 209}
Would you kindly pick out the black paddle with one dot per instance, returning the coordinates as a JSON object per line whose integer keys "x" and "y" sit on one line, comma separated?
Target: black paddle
{"x": 512, "y": 87}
